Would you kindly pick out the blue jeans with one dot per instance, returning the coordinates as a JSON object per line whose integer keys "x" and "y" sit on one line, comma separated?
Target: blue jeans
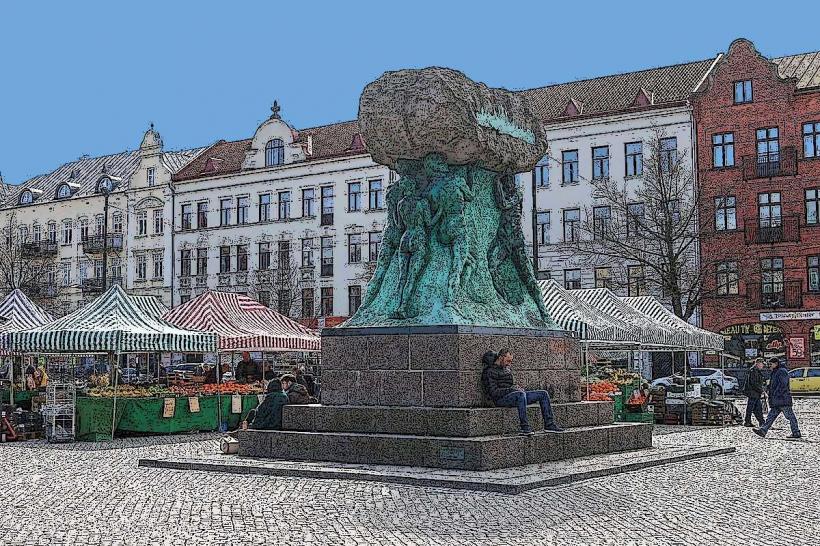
{"x": 787, "y": 412}
{"x": 520, "y": 399}
{"x": 754, "y": 406}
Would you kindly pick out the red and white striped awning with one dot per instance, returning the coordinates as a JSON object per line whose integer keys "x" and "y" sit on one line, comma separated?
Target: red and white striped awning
{"x": 242, "y": 324}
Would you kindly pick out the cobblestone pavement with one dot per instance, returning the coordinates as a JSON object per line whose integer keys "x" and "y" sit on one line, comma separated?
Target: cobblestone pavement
{"x": 765, "y": 493}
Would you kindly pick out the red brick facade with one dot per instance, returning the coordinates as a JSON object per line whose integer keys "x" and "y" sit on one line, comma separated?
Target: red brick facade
{"x": 759, "y": 238}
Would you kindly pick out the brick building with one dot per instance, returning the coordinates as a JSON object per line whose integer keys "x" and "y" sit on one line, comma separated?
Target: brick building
{"x": 758, "y": 159}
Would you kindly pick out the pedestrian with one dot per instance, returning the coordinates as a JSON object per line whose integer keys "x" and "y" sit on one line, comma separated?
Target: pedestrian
{"x": 305, "y": 379}
{"x": 268, "y": 415}
{"x": 297, "y": 393}
{"x": 754, "y": 390}
{"x": 501, "y": 388}
{"x": 780, "y": 400}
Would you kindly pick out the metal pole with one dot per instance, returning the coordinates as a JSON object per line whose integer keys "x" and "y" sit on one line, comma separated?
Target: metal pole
{"x": 586, "y": 363}
{"x": 685, "y": 406}
{"x": 105, "y": 248}
{"x": 114, "y": 369}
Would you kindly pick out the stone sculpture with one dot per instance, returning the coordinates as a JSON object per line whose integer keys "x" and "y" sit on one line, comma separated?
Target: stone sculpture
{"x": 453, "y": 252}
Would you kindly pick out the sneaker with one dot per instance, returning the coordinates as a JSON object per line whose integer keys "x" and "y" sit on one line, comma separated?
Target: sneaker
{"x": 526, "y": 431}
{"x": 759, "y": 432}
{"x": 748, "y": 424}
{"x": 553, "y": 428}
{"x": 794, "y": 436}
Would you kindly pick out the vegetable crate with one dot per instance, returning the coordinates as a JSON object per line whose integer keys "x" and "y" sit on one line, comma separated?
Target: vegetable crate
{"x": 642, "y": 417}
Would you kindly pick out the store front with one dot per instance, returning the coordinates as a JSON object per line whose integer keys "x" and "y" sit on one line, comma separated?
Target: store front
{"x": 814, "y": 345}
{"x": 749, "y": 341}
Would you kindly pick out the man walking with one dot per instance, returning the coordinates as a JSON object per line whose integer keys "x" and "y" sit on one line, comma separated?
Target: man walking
{"x": 753, "y": 389}
{"x": 501, "y": 388}
{"x": 780, "y": 400}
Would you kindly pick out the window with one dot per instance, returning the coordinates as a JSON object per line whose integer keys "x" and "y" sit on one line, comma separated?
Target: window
{"x": 743, "y": 91}
{"x": 201, "y": 215}
{"x": 184, "y": 298}
{"x": 22, "y": 234}
{"x": 52, "y": 233}
{"x": 63, "y": 192}
{"x": 327, "y": 302}
{"x": 242, "y": 204}
{"x": 327, "y": 206}
{"x": 284, "y": 205}
{"x": 569, "y": 160}
{"x": 158, "y": 265}
{"x": 98, "y": 269}
{"x": 601, "y": 221}
{"x": 142, "y": 267}
{"x": 768, "y": 145}
{"x": 264, "y": 256}
{"x": 814, "y": 273}
{"x": 225, "y": 211}
{"x": 37, "y": 233}
{"x": 307, "y": 302}
{"x": 723, "y": 150}
{"x": 115, "y": 269}
{"x": 572, "y": 223}
{"x": 283, "y": 301}
{"x": 541, "y": 173}
{"x": 84, "y": 230}
{"x": 811, "y": 139}
{"x": 116, "y": 221}
{"x": 150, "y": 175}
{"x": 793, "y": 374}
{"x": 283, "y": 256}
{"x": 307, "y": 253}
{"x": 354, "y": 248}
{"x": 241, "y": 257}
{"x": 309, "y": 202}
{"x": 771, "y": 274}
{"x": 669, "y": 154}
{"x": 263, "y": 297}
{"x": 376, "y": 194}
{"x": 187, "y": 219}
{"x": 224, "y": 259}
{"x": 26, "y": 197}
{"x": 374, "y": 243}
{"x": 673, "y": 210}
{"x": 725, "y": 213}
{"x": 542, "y": 227}
{"x": 354, "y": 299}
{"x": 202, "y": 261}
{"x": 603, "y": 277}
{"x": 274, "y": 152}
{"x": 813, "y": 206}
{"x": 354, "y": 196}
{"x": 600, "y": 162}
{"x": 67, "y": 232}
{"x": 636, "y": 282}
{"x": 727, "y": 278}
{"x": 634, "y": 219}
{"x": 65, "y": 273}
{"x": 327, "y": 256}
{"x": 264, "y": 207}
{"x": 159, "y": 221}
{"x": 572, "y": 279}
{"x": 142, "y": 223}
{"x": 769, "y": 209}
{"x": 813, "y": 372}
{"x": 99, "y": 221}
{"x": 633, "y": 151}
{"x": 185, "y": 263}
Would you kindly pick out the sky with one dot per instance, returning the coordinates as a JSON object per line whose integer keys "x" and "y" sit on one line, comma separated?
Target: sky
{"x": 88, "y": 77}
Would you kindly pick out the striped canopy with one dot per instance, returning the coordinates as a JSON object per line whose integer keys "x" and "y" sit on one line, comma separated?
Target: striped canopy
{"x": 113, "y": 323}
{"x": 17, "y": 312}
{"x": 653, "y": 334}
{"x": 151, "y": 305}
{"x": 575, "y": 315}
{"x": 698, "y": 338}
{"x": 242, "y": 324}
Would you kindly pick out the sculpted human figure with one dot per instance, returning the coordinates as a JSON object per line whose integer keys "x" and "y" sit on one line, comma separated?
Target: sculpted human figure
{"x": 414, "y": 214}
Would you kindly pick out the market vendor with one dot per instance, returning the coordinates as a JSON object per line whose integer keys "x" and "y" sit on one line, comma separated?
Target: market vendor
{"x": 211, "y": 375}
{"x": 247, "y": 371}
{"x": 638, "y": 399}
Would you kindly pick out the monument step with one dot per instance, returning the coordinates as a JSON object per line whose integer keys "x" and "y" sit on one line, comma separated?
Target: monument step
{"x": 465, "y": 453}
{"x": 424, "y": 421}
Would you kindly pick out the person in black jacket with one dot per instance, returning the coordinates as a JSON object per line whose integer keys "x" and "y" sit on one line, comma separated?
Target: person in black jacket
{"x": 501, "y": 388}
{"x": 780, "y": 400}
{"x": 755, "y": 385}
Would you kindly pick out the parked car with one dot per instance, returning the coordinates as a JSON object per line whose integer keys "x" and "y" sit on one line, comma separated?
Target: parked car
{"x": 711, "y": 377}
{"x": 805, "y": 380}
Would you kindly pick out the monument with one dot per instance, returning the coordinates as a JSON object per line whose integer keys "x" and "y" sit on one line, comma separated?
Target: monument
{"x": 401, "y": 378}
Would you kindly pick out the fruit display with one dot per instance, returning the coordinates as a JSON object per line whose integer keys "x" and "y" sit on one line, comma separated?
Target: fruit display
{"x": 131, "y": 391}
{"x": 128, "y": 391}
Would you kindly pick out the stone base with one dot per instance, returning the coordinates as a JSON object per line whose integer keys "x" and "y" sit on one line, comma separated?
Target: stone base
{"x": 440, "y": 366}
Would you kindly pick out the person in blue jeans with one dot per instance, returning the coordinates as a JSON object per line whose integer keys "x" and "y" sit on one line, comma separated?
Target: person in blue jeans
{"x": 501, "y": 388}
{"x": 780, "y": 400}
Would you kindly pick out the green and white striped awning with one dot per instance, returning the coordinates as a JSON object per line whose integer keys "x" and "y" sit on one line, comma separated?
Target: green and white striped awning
{"x": 697, "y": 338}
{"x": 151, "y": 305}
{"x": 113, "y": 323}
{"x": 653, "y": 333}
{"x": 593, "y": 327}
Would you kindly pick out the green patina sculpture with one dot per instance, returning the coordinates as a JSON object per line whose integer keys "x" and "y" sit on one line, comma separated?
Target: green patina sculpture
{"x": 453, "y": 252}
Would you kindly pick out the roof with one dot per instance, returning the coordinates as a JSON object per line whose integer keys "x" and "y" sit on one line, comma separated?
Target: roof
{"x": 805, "y": 68}
{"x": 151, "y": 305}
{"x": 242, "y": 324}
{"x": 222, "y": 157}
{"x": 664, "y": 85}
{"x": 697, "y": 338}
{"x": 112, "y": 323}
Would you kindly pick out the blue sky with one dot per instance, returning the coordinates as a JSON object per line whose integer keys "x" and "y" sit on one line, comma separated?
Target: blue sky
{"x": 88, "y": 77}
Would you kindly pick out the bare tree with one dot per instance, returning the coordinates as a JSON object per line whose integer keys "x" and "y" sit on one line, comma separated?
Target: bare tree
{"x": 281, "y": 287}
{"x": 28, "y": 264}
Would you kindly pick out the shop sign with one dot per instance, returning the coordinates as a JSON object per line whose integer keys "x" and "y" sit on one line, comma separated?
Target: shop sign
{"x": 797, "y": 347}
{"x": 750, "y": 329}
{"x": 790, "y": 315}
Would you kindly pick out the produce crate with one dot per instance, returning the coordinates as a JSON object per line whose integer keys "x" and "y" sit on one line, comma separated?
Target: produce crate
{"x": 642, "y": 417}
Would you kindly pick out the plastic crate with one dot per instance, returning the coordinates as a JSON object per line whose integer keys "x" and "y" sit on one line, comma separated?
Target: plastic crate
{"x": 642, "y": 417}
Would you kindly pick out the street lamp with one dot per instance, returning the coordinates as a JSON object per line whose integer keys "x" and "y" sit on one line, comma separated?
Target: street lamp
{"x": 105, "y": 185}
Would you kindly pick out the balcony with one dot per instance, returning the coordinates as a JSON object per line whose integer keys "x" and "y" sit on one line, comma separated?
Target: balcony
{"x": 769, "y": 165}
{"x": 783, "y": 229}
{"x": 95, "y": 245}
{"x": 224, "y": 279}
{"x": 95, "y": 285}
{"x": 40, "y": 249}
{"x": 785, "y": 295}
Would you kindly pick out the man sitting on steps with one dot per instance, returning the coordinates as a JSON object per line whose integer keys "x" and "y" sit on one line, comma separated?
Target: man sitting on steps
{"x": 499, "y": 385}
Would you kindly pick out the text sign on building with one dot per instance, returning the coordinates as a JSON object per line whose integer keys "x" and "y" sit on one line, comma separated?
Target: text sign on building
{"x": 791, "y": 315}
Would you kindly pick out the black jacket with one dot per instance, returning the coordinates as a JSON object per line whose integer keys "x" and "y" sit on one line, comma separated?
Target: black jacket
{"x": 498, "y": 382}
{"x": 780, "y": 395}
{"x": 298, "y": 394}
{"x": 755, "y": 384}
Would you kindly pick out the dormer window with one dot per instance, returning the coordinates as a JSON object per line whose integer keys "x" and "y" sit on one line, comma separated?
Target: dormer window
{"x": 64, "y": 191}
{"x": 274, "y": 152}
{"x": 26, "y": 198}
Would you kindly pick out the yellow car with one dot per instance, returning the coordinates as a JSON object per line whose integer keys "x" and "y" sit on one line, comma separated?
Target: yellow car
{"x": 805, "y": 380}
